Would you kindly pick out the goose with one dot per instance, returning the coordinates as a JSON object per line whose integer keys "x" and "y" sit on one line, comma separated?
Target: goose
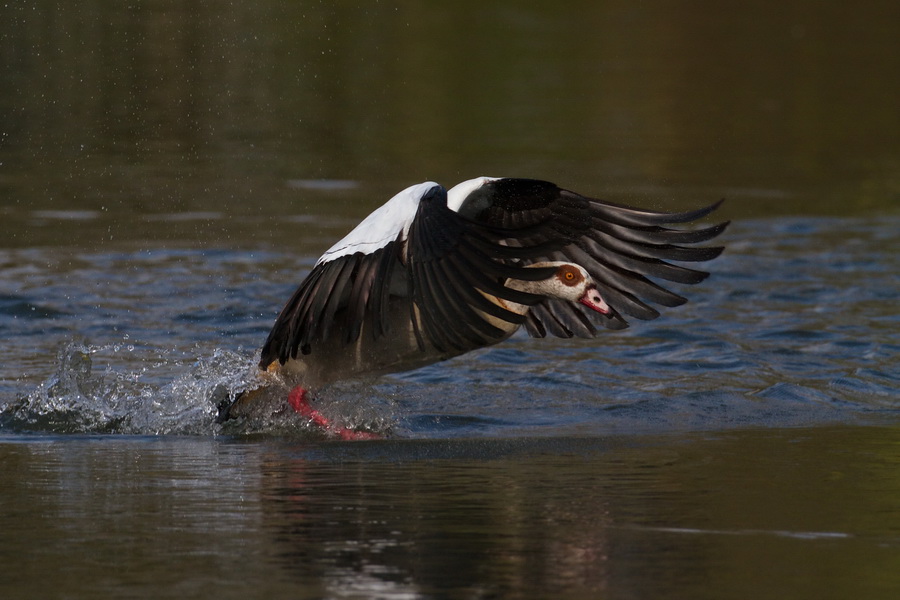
{"x": 435, "y": 273}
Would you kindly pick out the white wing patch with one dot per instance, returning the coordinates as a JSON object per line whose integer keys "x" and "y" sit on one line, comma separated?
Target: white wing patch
{"x": 382, "y": 226}
{"x": 459, "y": 192}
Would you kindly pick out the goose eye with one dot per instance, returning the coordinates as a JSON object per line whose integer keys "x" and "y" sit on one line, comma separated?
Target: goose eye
{"x": 569, "y": 276}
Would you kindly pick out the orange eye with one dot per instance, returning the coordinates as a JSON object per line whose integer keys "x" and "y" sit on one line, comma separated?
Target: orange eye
{"x": 570, "y": 275}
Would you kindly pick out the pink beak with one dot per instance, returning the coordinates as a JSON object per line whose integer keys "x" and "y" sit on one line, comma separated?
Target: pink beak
{"x": 592, "y": 299}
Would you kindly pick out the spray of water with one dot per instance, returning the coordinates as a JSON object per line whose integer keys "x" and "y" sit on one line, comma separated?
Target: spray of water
{"x": 90, "y": 391}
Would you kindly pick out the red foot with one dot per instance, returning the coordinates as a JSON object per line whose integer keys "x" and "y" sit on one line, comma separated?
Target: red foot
{"x": 298, "y": 401}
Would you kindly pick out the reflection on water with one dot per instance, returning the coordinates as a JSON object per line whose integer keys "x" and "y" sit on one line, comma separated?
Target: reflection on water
{"x": 750, "y": 513}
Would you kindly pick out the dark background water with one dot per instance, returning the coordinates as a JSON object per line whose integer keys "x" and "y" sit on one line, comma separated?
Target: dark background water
{"x": 169, "y": 171}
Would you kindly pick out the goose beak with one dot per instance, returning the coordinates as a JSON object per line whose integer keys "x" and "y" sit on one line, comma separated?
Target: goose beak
{"x": 593, "y": 300}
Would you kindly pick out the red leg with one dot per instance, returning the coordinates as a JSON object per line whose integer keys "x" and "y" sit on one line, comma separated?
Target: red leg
{"x": 298, "y": 401}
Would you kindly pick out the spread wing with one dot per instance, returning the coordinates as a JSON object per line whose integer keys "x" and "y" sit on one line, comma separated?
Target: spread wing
{"x": 437, "y": 266}
{"x": 624, "y": 249}
{"x": 436, "y": 273}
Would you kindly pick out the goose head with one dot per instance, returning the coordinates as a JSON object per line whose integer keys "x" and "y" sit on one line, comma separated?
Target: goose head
{"x": 569, "y": 282}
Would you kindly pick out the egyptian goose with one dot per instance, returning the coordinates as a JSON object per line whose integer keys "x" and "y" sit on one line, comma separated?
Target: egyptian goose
{"x": 435, "y": 273}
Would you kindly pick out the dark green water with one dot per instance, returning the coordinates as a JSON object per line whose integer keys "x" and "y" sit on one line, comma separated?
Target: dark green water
{"x": 801, "y": 513}
{"x": 169, "y": 172}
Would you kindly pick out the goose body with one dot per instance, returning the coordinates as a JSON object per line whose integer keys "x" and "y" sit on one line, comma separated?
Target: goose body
{"x": 434, "y": 273}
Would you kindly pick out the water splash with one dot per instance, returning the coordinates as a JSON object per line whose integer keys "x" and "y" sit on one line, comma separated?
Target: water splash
{"x": 85, "y": 397}
{"x": 166, "y": 394}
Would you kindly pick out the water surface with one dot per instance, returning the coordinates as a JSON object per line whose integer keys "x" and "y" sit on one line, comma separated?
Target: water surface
{"x": 722, "y": 515}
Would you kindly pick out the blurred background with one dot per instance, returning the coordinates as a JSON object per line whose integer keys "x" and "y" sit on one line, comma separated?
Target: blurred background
{"x": 115, "y": 116}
